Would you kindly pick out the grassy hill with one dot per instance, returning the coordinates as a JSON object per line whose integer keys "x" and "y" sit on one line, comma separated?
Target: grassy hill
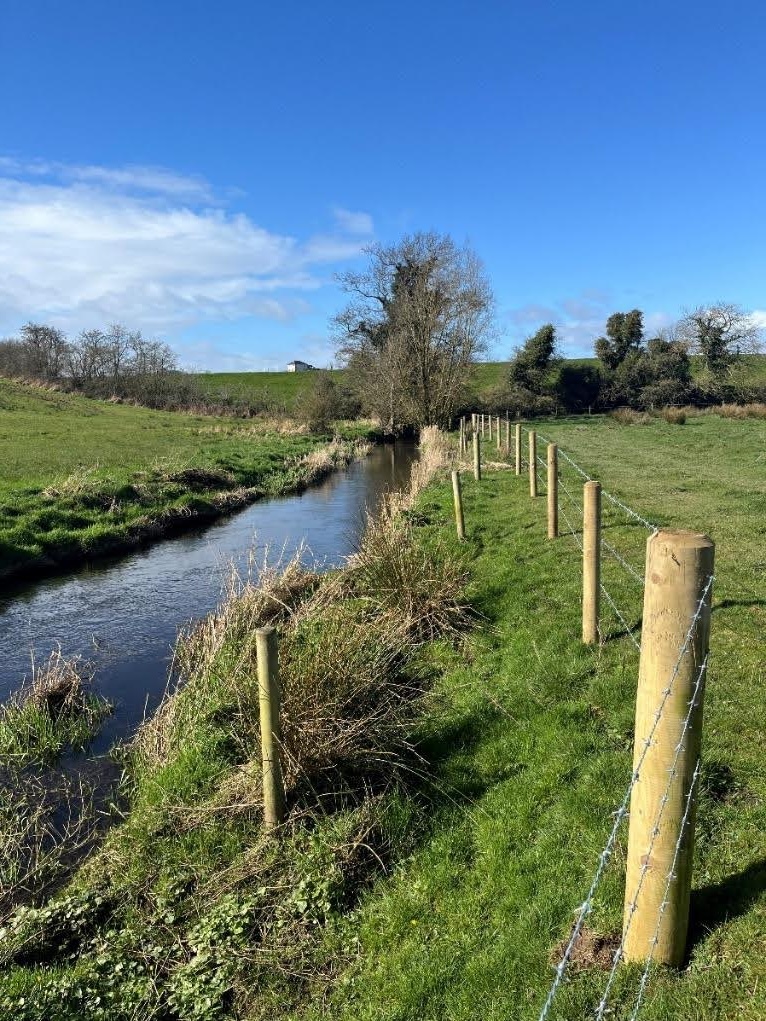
{"x": 284, "y": 387}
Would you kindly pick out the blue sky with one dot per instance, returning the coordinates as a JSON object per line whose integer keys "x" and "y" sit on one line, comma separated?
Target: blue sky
{"x": 202, "y": 171}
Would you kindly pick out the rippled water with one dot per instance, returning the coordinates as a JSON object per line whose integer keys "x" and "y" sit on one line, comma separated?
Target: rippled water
{"x": 123, "y": 615}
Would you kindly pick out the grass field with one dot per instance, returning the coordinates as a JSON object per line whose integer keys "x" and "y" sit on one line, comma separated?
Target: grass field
{"x": 281, "y": 388}
{"x": 81, "y": 476}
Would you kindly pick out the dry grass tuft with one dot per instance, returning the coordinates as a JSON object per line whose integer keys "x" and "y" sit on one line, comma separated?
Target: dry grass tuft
{"x": 675, "y": 416}
{"x": 627, "y": 416}
{"x": 416, "y": 588}
{"x": 755, "y": 410}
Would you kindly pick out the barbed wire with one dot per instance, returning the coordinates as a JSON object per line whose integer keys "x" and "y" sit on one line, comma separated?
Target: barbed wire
{"x": 668, "y": 880}
{"x": 609, "y": 496}
{"x": 629, "y": 511}
{"x": 586, "y": 907}
{"x": 628, "y": 567}
{"x": 646, "y": 858}
{"x": 627, "y": 628}
{"x": 575, "y": 536}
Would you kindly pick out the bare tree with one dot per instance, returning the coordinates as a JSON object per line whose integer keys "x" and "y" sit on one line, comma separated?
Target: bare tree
{"x": 46, "y": 350}
{"x": 419, "y": 316}
{"x": 720, "y": 333}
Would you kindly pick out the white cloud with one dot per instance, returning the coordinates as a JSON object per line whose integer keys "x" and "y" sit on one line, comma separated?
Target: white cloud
{"x": 84, "y": 245}
{"x": 353, "y": 223}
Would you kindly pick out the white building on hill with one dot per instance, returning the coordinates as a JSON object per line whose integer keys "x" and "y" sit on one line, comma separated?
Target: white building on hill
{"x": 299, "y": 366}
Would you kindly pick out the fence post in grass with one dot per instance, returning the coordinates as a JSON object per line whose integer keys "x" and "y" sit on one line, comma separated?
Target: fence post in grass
{"x": 518, "y": 448}
{"x": 679, "y": 568}
{"x": 507, "y": 434}
{"x": 591, "y": 561}
{"x": 499, "y": 437}
{"x": 532, "y": 462}
{"x": 268, "y": 693}
{"x": 553, "y": 491}
{"x": 457, "y": 493}
{"x": 477, "y": 457}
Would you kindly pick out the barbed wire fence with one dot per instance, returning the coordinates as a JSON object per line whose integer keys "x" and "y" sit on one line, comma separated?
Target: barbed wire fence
{"x": 668, "y": 724}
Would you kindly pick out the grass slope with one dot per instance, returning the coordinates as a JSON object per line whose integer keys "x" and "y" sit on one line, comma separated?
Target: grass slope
{"x": 532, "y": 753}
{"x": 282, "y": 388}
{"x": 81, "y": 477}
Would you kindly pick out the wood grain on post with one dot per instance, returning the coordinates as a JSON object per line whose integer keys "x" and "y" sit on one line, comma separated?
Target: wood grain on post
{"x": 553, "y": 491}
{"x": 268, "y": 693}
{"x": 591, "y": 561}
{"x": 518, "y": 448}
{"x": 532, "y": 463}
{"x": 457, "y": 494}
{"x": 499, "y": 437}
{"x": 477, "y": 457}
{"x": 679, "y": 566}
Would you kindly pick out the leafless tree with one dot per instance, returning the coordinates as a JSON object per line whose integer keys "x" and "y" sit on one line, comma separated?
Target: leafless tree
{"x": 720, "y": 333}
{"x": 419, "y": 315}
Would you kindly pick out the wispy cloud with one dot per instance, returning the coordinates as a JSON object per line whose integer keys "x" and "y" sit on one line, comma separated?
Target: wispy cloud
{"x": 81, "y": 245}
{"x": 579, "y": 320}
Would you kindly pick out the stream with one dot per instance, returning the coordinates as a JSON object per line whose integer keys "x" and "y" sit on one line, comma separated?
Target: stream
{"x": 123, "y": 615}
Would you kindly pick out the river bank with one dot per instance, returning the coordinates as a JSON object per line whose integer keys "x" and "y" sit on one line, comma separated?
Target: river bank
{"x": 86, "y": 479}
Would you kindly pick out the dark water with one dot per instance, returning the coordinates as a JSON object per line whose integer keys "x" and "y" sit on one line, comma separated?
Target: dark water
{"x": 123, "y": 615}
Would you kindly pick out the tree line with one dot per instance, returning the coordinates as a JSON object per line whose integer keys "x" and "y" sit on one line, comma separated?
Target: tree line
{"x": 633, "y": 370}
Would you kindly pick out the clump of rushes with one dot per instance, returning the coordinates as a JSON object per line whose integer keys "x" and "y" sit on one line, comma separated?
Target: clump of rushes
{"x": 198, "y": 912}
{"x": 54, "y": 712}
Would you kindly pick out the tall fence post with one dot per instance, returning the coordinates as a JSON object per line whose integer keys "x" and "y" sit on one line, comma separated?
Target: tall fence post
{"x": 532, "y": 463}
{"x": 482, "y": 425}
{"x": 458, "y": 495}
{"x": 499, "y": 435}
{"x": 477, "y": 457}
{"x": 553, "y": 491}
{"x": 489, "y": 424}
{"x": 518, "y": 448}
{"x": 507, "y": 434}
{"x": 268, "y": 695}
{"x": 677, "y": 600}
{"x": 591, "y": 561}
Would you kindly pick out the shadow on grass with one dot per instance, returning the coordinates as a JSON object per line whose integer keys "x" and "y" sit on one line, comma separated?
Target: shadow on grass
{"x": 721, "y": 902}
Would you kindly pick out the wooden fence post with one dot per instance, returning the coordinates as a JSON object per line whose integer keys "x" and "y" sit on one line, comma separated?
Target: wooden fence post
{"x": 458, "y": 495}
{"x": 553, "y": 491}
{"x": 532, "y": 463}
{"x": 518, "y": 448}
{"x": 679, "y": 568}
{"x": 499, "y": 435}
{"x": 268, "y": 694}
{"x": 477, "y": 457}
{"x": 591, "y": 561}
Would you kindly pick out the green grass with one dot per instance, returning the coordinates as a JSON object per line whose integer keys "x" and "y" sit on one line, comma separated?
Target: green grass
{"x": 81, "y": 476}
{"x": 279, "y": 388}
